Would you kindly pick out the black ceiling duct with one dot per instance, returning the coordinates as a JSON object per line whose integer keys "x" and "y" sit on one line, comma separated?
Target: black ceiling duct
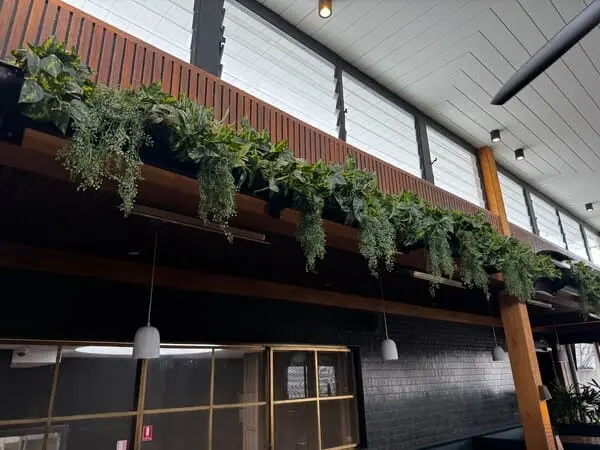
{"x": 566, "y": 38}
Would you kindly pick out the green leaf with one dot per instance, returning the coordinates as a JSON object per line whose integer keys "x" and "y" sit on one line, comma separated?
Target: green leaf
{"x": 79, "y": 111}
{"x": 31, "y": 92}
{"x": 52, "y": 65}
{"x": 273, "y": 186}
{"x": 33, "y": 62}
{"x": 71, "y": 87}
{"x": 61, "y": 120}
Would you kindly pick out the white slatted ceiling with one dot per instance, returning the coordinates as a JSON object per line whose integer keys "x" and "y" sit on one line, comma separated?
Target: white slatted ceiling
{"x": 573, "y": 236}
{"x": 514, "y": 202}
{"x": 166, "y": 24}
{"x": 271, "y": 66}
{"x": 547, "y": 221}
{"x": 593, "y": 245}
{"x": 380, "y": 128}
{"x": 455, "y": 168}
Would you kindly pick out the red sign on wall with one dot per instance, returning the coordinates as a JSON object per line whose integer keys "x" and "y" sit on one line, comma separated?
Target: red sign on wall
{"x": 147, "y": 433}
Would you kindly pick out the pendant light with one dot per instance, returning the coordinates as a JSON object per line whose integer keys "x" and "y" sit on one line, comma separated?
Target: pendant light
{"x": 146, "y": 344}
{"x": 498, "y": 353}
{"x": 562, "y": 353}
{"x": 325, "y": 8}
{"x": 389, "y": 351}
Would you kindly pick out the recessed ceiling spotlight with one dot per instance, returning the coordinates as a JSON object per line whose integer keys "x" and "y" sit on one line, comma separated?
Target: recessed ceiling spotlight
{"x": 519, "y": 154}
{"x": 495, "y": 136}
{"x": 325, "y": 8}
{"x": 589, "y": 207}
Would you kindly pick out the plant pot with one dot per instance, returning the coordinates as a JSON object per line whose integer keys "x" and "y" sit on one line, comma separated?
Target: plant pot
{"x": 11, "y": 123}
{"x": 161, "y": 155}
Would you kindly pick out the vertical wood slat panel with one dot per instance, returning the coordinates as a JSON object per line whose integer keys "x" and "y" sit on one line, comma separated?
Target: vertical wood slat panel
{"x": 62, "y": 25}
{"x": 210, "y": 93}
{"x": 33, "y": 24}
{"x": 167, "y": 74}
{"x": 184, "y": 83}
{"x": 85, "y": 39}
{"x": 176, "y": 78}
{"x": 138, "y": 65}
{"x": 47, "y": 28}
{"x": 148, "y": 68}
{"x": 96, "y": 50}
{"x": 218, "y": 100}
{"x": 6, "y": 11}
{"x": 74, "y": 27}
{"x": 114, "y": 78}
{"x": 127, "y": 67}
{"x": 159, "y": 61}
{"x": 18, "y": 26}
{"x": 104, "y": 64}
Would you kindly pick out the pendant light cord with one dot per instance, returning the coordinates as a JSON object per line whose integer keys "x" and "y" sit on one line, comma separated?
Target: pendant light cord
{"x": 489, "y": 302}
{"x": 153, "y": 272}
{"x": 383, "y": 306}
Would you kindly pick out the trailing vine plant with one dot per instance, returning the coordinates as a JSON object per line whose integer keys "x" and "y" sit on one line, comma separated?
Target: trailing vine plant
{"x": 112, "y": 128}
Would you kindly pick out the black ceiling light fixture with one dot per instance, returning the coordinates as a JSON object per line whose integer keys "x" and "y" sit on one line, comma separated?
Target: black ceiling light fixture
{"x": 325, "y": 8}
{"x": 589, "y": 207}
{"x": 495, "y": 136}
{"x": 520, "y": 154}
{"x": 562, "y": 41}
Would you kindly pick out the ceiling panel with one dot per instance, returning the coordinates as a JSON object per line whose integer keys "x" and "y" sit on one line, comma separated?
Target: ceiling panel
{"x": 449, "y": 57}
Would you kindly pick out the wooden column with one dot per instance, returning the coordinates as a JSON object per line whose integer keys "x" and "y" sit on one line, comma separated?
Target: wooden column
{"x": 517, "y": 330}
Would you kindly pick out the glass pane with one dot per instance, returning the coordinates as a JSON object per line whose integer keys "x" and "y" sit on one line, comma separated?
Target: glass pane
{"x": 455, "y": 168}
{"x": 177, "y": 431}
{"x": 240, "y": 428}
{"x": 514, "y": 201}
{"x": 338, "y": 423}
{"x": 296, "y": 426}
{"x": 587, "y": 364}
{"x": 166, "y": 24}
{"x": 96, "y": 434}
{"x": 336, "y": 375}
{"x": 573, "y": 235}
{"x": 379, "y": 127}
{"x": 179, "y": 380}
{"x": 26, "y": 381}
{"x": 547, "y": 221}
{"x": 27, "y": 437}
{"x": 293, "y": 375}
{"x": 261, "y": 60}
{"x": 593, "y": 245}
{"x": 95, "y": 379}
{"x": 239, "y": 376}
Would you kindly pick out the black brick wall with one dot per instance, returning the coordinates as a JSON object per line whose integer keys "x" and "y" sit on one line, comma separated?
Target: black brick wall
{"x": 444, "y": 387}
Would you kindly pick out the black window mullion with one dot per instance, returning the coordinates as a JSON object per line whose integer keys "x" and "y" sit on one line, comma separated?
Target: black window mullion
{"x": 423, "y": 148}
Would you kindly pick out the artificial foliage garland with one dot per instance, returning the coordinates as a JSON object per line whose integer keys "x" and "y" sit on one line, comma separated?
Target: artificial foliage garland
{"x": 112, "y": 127}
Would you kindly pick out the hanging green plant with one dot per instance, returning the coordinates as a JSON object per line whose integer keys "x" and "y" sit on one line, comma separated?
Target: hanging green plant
{"x": 588, "y": 283}
{"x": 56, "y": 82}
{"x": 110, "y": 132}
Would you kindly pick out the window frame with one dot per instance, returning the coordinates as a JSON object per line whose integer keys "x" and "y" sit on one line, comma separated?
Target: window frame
{"x": 52, "y": 423}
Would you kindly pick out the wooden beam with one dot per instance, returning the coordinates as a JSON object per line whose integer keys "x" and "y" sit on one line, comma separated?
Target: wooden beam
{"x": 69, "y": 264}
{"x": 491, "y": 185}
{"x": 517, "y": 330}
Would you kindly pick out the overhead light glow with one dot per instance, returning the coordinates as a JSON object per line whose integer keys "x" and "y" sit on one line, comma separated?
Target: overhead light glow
{"x": 325, "y": 8}
{"x": 110, "y": 350}
{"x": 495, "y": 136}
{"x": 519, "y": 154}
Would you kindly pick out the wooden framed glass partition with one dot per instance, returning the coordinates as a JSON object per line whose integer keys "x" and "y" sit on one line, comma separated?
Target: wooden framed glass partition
{"x": 87, "y": 396}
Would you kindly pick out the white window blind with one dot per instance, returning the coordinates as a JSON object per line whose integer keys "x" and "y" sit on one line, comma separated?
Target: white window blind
{"x": 165, "y": 24}
{"x": 455, "y": 168}
{"x": 593, "y": 245}
{"x": 379, "y": 127}
{"x": 573, "y": 236}
{"x": 514, "y": 202}
{"x": 264, "y": 62}
{"x": 547, "y": 221}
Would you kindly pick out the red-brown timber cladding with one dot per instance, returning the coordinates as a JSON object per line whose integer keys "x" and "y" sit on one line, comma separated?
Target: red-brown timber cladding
{"x": 120, "y": 59}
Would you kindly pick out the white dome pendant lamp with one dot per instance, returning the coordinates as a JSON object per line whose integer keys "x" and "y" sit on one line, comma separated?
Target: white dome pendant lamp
{"x": 498, "y": 353}
{"x": 389, "y": 351}
{"x": 146, "y": 344}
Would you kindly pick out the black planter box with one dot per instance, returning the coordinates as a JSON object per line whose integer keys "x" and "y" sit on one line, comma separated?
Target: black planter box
{"x": 11, "y": 123}
{"x": 586, "y": 429}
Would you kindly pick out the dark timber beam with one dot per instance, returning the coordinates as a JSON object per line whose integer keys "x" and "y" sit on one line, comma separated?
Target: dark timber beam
{"x": 69, "y": 264}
